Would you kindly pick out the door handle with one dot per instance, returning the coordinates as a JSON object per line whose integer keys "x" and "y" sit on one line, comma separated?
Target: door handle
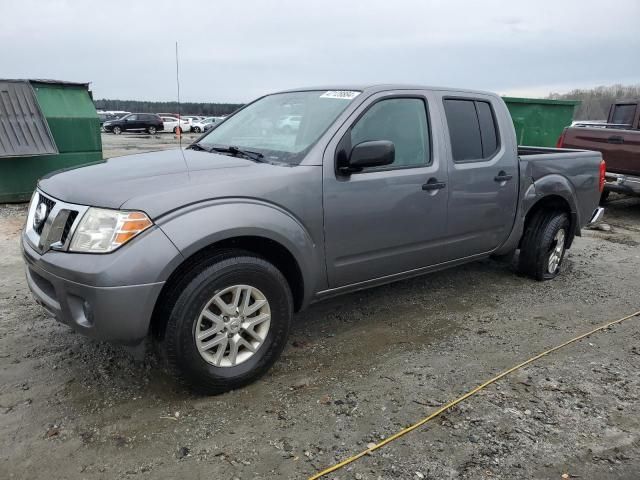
{"x": 615, "y": 139}
{"x": 502, "y": 177}
{"x": 433, "y": 184}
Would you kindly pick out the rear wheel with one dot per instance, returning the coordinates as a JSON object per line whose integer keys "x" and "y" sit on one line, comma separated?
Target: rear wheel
{"x": 228, "y": 323}
{"x": 544, "y": 244}
{"x": 117, "y": 130}
{"x": 197, "y": 129}
{"x": 152, "y": 130}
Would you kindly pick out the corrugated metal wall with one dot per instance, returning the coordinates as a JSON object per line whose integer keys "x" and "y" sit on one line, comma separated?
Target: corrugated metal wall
{"x": 23, "y": 129}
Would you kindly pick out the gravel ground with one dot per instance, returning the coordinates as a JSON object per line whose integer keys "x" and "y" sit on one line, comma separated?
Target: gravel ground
{"x": 357, "y": 369}
{"x": 129, "y": 143}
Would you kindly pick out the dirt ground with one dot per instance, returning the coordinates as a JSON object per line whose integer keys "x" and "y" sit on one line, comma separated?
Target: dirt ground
{"x": 357, "y": 369}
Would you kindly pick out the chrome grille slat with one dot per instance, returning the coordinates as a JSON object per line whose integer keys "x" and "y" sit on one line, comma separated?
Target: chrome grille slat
{"x": 60, "y": 222}
{"x": 50, "y": 204}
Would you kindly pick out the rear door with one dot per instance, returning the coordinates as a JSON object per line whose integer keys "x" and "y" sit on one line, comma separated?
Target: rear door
{"x": 383, "y": 221}
{"x": 623, "y": 149}
{"x": 483, "y": 174}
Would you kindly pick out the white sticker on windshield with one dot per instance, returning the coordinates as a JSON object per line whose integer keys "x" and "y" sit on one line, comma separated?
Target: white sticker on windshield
{"x": 343, "y": 94}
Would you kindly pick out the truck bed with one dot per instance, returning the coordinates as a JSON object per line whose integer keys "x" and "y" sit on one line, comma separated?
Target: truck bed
{"x": 580, "y": 168}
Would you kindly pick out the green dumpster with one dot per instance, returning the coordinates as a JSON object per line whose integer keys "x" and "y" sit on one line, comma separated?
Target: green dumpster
{"x": 539, "y": 122}
{"x": 45, "y": 125}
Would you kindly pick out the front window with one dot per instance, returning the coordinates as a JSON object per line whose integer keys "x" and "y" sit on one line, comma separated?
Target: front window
{"x": 282, "y": 126}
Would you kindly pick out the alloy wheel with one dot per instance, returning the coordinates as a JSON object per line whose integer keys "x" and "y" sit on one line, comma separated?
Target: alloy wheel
{"x": 232, "y": 326}
{"x": 557, "y": 250}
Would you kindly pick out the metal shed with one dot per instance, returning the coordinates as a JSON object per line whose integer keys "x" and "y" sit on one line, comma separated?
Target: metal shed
{"x": 45, "y": 125}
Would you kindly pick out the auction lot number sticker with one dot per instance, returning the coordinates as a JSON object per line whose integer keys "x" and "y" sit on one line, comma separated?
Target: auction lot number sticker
{"x": 342, "y": 94}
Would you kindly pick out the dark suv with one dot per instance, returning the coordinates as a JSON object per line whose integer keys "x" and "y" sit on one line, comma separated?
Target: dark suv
{"x": 148, "y": 122}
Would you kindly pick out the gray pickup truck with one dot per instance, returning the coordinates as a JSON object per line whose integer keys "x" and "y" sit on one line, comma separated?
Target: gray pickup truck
{"x": 211, "y": 249}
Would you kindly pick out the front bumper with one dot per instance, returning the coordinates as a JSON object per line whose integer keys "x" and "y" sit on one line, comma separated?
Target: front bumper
{"x": 616, "y": 182}
{"x": 94, "y": 294}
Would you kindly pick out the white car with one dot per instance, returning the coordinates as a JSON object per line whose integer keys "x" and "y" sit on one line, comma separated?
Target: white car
{"x": 202, "y": 125}
{"x": 171, "y": 124}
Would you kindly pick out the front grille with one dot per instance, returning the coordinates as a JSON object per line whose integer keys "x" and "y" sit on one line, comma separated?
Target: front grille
{"x": 68, "y": 224}
{"x": 56, "y": 230}
{"x": 49, "y": 203}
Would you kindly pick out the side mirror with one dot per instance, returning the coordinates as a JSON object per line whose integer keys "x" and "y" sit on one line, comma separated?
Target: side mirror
{"x": 375, "y": 153}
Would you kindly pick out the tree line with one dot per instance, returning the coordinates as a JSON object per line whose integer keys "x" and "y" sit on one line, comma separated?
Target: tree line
{"x": 191, "y": 108}
{"x": 595, "y": 102}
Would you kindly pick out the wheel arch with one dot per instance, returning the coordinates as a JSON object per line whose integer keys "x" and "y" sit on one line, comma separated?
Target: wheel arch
{"x": 263, "y": 247}
{"x": 552, "y": 202}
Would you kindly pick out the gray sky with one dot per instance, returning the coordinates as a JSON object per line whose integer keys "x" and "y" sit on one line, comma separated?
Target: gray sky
{"x": 237, "y": 50}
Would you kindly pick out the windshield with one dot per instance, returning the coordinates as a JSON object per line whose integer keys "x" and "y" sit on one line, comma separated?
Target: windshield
{"x": 282, "y": 126}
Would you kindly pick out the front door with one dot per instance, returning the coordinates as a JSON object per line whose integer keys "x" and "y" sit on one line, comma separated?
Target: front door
{"x": 385, "y": 220}
{"x": 131, "y": 122}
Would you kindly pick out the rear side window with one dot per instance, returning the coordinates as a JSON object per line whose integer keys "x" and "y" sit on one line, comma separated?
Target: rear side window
{"x": 623, "y": 114}
{"x": 472, "y": 129}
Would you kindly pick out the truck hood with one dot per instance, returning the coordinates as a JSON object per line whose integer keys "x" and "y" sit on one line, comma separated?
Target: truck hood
{"x": 157, "y": 182}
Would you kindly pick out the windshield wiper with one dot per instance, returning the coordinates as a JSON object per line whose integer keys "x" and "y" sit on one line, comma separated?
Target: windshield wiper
{"x": 257, "y": 156}
{"x": 197, "y": 146}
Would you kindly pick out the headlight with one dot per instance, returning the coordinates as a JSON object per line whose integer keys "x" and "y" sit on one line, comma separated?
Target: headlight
{"x": 102, "y": 230}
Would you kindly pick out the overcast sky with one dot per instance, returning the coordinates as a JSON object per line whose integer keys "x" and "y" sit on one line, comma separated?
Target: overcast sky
{"x": 237, "y": 50}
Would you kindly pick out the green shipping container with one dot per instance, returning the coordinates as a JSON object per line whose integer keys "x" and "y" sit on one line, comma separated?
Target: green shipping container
{"x": 539, "y": 122}
{"x": 44, "y": 126}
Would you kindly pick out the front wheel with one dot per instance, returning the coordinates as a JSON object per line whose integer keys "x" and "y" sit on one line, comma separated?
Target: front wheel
{"x": 117, "y": 130}
{"x": 229, "y": 322}
{"x": 544, "y": 244}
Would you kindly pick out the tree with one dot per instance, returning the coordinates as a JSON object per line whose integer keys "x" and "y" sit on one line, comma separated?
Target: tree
{"x": 189, "y": 108}
{"x": 595, "y": 102}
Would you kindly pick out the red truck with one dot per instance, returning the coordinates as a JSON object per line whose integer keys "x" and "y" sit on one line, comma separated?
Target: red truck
{"x": 619, "y": 142}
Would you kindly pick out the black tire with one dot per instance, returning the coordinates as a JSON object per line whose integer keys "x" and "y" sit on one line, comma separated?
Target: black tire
{"x": 604, "y": 196}
{"x": 189, "y": 297}
{"x": 117, "y": 130}
{"x": 196, "y": 129}
{"x": 539, "y": 241}
{"x": 152, "y": 130}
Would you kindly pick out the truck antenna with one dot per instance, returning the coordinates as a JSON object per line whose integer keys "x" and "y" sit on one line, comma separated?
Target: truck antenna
{"x": 179, "y": 129}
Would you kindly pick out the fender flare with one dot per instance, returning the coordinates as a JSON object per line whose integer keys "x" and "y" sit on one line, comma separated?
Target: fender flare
{"x": 537, "y": 191}
{"x": 198, "y": 226}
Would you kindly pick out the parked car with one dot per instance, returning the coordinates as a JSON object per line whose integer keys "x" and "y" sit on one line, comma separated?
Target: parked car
{"x": 202, "y": 124}
{"x": 289, "y": 123}
{"x": 135, "y": 122}
{"x": 172, "y": 124}
{"x": 209, "y": 126}
{"x": 619, "y": 142}
{"x": 191, "y": 119}
{"x": 211, "y": 249}
{"x": 108, "y": 116}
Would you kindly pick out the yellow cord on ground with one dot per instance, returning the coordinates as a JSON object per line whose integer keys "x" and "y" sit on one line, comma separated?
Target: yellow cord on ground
{"x": 411, "y": 428}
